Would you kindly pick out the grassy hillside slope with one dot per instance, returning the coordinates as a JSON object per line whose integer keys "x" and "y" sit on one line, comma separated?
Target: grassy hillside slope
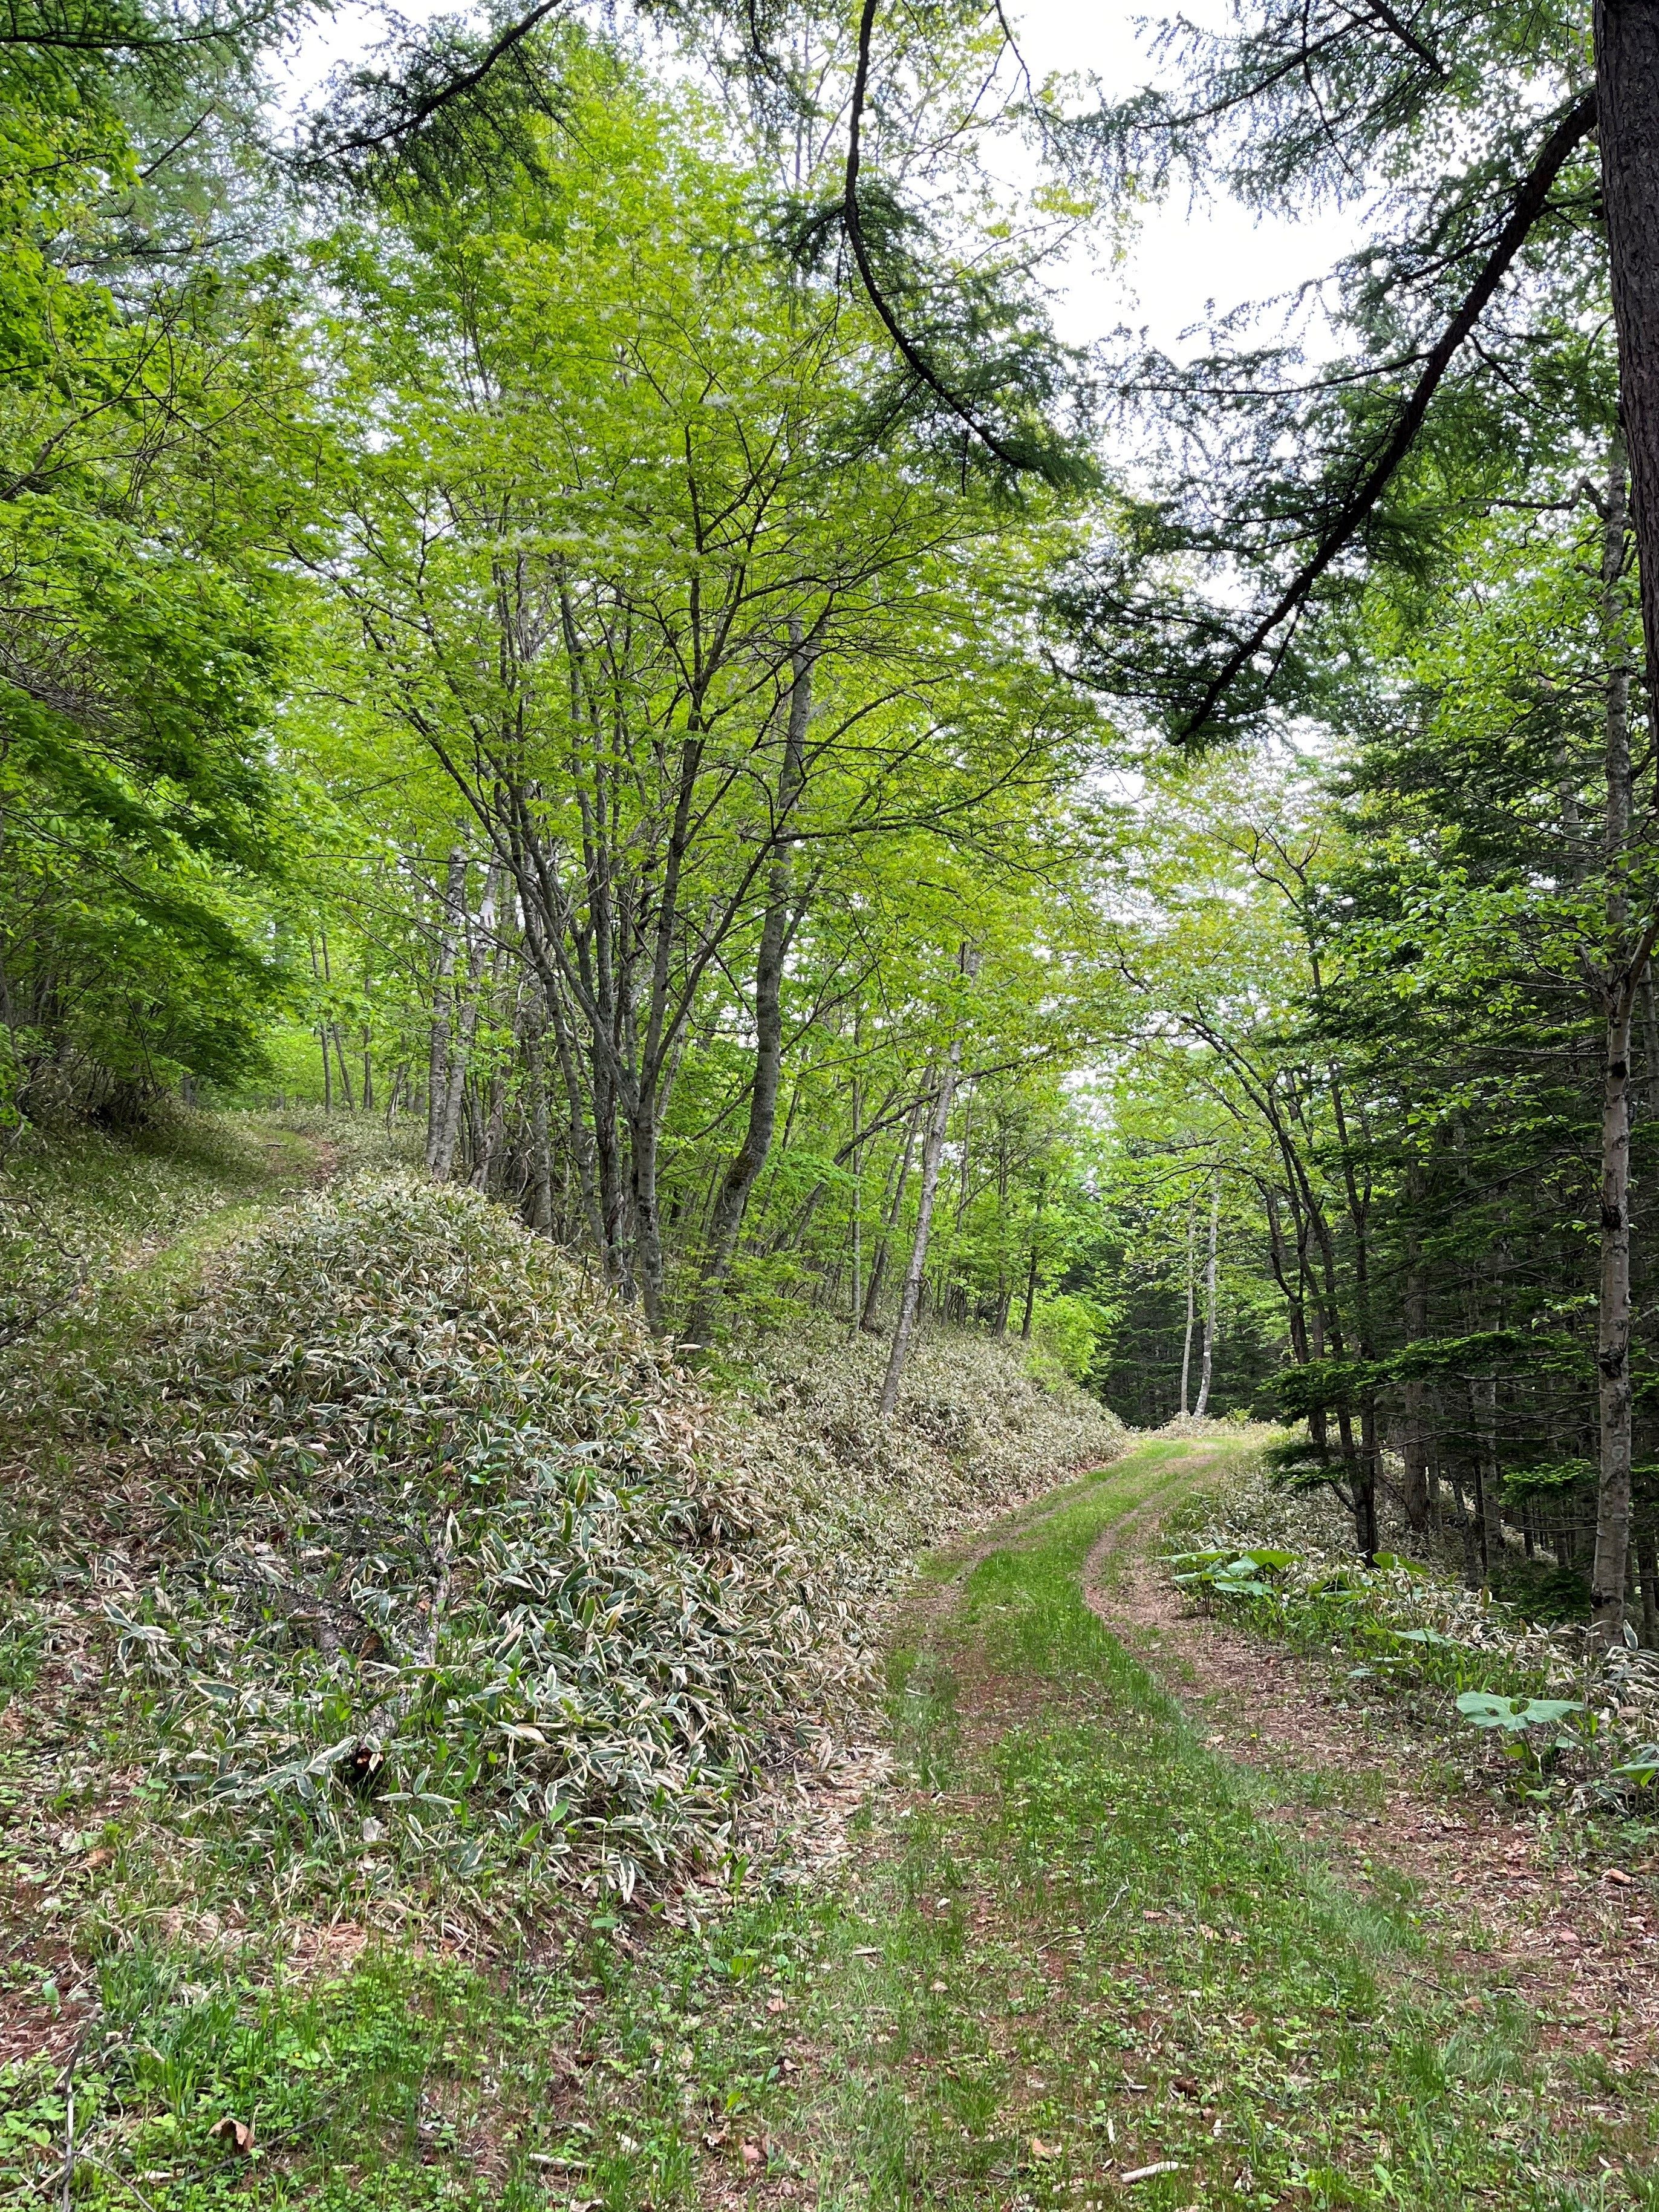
{"x": 392, "y": 1572}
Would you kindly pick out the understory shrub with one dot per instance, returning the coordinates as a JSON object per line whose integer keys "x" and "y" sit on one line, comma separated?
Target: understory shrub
{"x": 414, "y": 1553}
{"x": 1567, "y": 1720}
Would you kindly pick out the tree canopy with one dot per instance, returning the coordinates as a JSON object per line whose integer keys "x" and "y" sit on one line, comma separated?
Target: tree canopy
{"x": 570, "y": 598}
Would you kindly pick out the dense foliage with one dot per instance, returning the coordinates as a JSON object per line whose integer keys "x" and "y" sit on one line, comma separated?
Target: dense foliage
{"x": 579, "y": 607}
{"x": 150, "y": 404}
{"x": 405, "y": 1534}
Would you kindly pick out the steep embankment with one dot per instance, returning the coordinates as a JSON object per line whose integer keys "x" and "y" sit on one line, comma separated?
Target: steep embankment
{"x": 407, "y": 1572}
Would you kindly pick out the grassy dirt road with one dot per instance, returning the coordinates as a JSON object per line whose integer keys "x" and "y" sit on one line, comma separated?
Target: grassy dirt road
{"x": 1075, "y": 1962}
{"x": 1057, "y": 1950}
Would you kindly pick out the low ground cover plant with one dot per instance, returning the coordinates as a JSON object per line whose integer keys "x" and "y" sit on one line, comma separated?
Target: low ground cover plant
{"x": 404, "y": 1563}
{"x": 1563, "y": 1720}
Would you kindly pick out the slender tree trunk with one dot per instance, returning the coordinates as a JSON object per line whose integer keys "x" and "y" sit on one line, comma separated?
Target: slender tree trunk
{"x": 465, "y": 1028}
{"x": 1627, "y": 130}
{"x": 879, "y": 1269}
{"x": 1613, "y": 1332}
{"x": 492, "y": 1109}
{"x": 953, "y": 1295}
{"x": 1295, "y": 1298}
{"x": 540, "y": 1215}
{"x": 643, "y": 1153}
{"x": 1626, "y": 33}
{"x": 345, "y": 1071}
{"x": 1358, "y": 1196}
{"x": 1414, "y": 1496}
{"x": 320, "y": 974}
{"x": 614, "y": 1240}
{"x": 1647, "y": 1561}
{"x": 1004, "y": 1287}
{"x": 1192, "y": 1303}
{"x": 1483, "y": 1402}
{"x": 858, "y": 1205}
{"x": 751, "y": 1155}
{"x": 1620, "y": 988}
{"x": 1296, "y": 1303}
{"x": 582, "y": 1148}
{"x": 1035, "y": 1260}
{"x": 1365, "y": 1499}
{"x": 1027, "y": 1316}
{"x": 494, "y": 1119}
{"x": 1328, "y": 1324}
{"x": 932, "y": 1151}
{"x": 443, "y": 999}
{"x": 1207, "y": 1369}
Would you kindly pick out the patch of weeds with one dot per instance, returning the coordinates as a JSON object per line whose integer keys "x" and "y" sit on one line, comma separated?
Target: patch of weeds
{"x": 1594, "y": 2075}
{"x": 33, "y": 2111}
{"x": 22, "y": 1645}
{"x": 1563, "y": 1724}
{"x": 1314, "y": 1788}
{"x": 406, "y": 2082}
{"x": 1396, "y": 1889}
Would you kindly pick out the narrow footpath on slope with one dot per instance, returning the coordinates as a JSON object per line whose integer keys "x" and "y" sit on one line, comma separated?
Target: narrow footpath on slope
{"x": 1080, "y": 1956}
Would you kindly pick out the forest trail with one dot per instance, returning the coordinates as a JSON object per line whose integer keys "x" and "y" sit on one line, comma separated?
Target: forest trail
{"x": 97, "y": 1241}
{"x": 1107, "y": 1918}
{"x": 1090, "y": 1950}
{"x": 1362, "y": 1787}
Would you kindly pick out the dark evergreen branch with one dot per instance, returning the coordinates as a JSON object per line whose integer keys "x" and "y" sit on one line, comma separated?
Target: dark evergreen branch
{"x": 1528, "y": 204}
{"x": 852, "y": 216}
{"x": 416, "y": 99}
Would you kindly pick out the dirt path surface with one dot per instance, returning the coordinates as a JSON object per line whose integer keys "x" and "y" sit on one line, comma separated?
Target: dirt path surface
{"x": 1069, "y": 1961}
{"x": 1495, "y": 1884}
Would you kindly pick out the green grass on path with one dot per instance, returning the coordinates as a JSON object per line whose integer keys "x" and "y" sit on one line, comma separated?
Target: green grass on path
{"x": 1063, "y": 1950}
{"x": 93, "y": 1224}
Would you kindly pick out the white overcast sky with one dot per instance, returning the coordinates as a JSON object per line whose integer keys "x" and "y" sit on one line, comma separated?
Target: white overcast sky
{"x": 1182, "y": 260}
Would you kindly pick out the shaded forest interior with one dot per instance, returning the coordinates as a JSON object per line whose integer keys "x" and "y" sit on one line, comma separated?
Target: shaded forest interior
{"x": 566, "y": 596}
